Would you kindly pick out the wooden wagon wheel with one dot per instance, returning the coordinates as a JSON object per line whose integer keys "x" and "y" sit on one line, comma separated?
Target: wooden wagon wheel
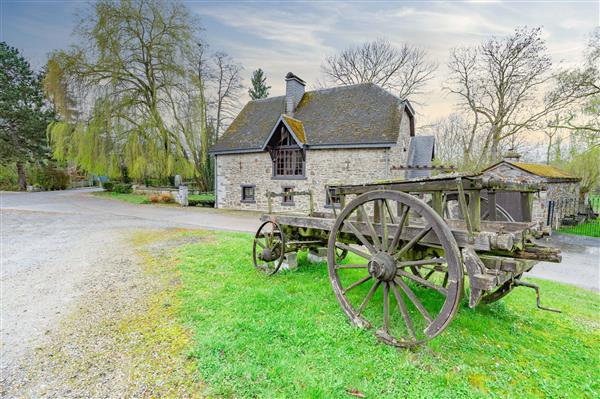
{"x": 268, "y": 249}
{"x": 376, "y": 221}
{"x": 500, "y": 292}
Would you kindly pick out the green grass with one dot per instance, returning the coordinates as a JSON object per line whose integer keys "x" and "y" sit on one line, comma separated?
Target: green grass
{"x": 286, "y": 337}
{"x": 202, "y": 197}
{"x": 131, "y": 198}
{"x": 590, "y": 229}
{"x": 143, "y": 199}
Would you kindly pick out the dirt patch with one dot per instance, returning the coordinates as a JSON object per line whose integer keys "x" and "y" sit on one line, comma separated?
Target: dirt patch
{"x": 123, "y": 340}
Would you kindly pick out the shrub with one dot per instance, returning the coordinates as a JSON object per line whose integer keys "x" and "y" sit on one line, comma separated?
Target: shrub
{"x": 166, "y": 198}
{"x": 154, "y": 198}
{"x": 53, "y": 178}
{"x": 108, "y": 186}
{"x": 122, "y": 188}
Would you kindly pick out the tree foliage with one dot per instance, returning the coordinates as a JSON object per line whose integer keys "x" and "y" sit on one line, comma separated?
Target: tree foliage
{"x": 24, "y": 113}
{"x": 144, "y": 102}
{"x": 403, "y": 70}
{"x": 259, "y": 87}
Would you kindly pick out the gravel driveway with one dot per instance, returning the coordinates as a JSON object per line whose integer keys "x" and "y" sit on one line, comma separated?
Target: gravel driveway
{"x": 59, "y": 247}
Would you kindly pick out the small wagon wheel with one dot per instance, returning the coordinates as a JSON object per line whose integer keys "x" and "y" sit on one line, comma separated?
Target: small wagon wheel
{"x": 374, "y": 228}
{"x": 340, "y": 254}
{"x": 500, "y": 292}
{"x": 268, "y": 249}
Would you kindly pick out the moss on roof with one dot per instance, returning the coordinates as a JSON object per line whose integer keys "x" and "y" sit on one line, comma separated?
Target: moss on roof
{"x": 296, "y": 126}
{"x": 543, "y": 170}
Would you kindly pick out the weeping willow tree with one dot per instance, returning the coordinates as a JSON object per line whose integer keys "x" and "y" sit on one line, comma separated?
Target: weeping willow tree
{"x": 141, "y": 102}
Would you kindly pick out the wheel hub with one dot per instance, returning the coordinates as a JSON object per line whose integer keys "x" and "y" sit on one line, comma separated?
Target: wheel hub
{"x": 382, "y": 266}
{"x": 266, "y": 254}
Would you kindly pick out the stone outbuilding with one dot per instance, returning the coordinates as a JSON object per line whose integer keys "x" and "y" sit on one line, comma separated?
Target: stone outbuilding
{"x": 560, "y": 198}
{"x": 304, "y": 141}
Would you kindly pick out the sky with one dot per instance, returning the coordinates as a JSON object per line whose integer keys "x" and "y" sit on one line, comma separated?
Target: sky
{"x": 296, "y": 36}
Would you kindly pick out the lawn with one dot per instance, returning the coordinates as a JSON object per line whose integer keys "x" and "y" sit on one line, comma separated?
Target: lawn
{"x": 285, "y": 336}
{"x": 590, "y": 229}
{"x": 143, "y": 199}
{"x": 131, "y": 198}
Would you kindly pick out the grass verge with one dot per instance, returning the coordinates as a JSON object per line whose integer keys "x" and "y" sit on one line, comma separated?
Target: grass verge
{"x": 144, "y": 199}
{"x": 131, "y": 198}
{"x": 285, "y": 336}
{"x": 589, "y": 229}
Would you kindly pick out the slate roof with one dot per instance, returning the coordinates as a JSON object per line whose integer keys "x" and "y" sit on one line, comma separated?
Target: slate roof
{"x": 360, "y": 115}
{"x": 420, "y": 153}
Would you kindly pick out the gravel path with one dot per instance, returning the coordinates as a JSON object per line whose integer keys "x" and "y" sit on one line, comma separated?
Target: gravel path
{"x": 60, "y": 252}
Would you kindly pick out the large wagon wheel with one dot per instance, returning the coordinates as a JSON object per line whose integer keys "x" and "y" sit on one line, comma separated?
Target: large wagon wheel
{"x": 268, "y": 249}
{"x": 377, "y": 224}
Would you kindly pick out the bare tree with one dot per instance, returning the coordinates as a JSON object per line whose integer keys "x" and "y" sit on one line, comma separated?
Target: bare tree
{"x": 458, "y": 141}
{"x": 403, "y": 70}
{"x": 505, "y": 81}
{"x": 227, "y": 87}
{"x": 584, "y": 115}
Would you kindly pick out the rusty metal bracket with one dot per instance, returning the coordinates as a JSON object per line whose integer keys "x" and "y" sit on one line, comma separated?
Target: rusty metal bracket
{"x": 518, "y": 283}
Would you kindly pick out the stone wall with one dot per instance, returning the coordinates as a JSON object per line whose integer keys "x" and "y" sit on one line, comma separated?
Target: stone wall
{"x": 323, "y": 167}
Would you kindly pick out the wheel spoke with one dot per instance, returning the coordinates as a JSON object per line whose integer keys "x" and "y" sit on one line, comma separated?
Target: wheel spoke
{"x": 360, "y": 237}
{"x": 352, "y": 249}
{"x": 260, "y": 244}
{"x": 357, "y": 283}
{"x": 368, "y": 297}
{"x": 413, "y": 298}
{"x": 386, "y": 307}
{"x": 404, "y": 312}
{"x": 367, "y": 220}
{"x": 424, "y": 282}
{"x": 396, "y": 238}
{"x": 337, "y": 266}
{"x": 384, "y": 226}
{"x": 412, "y": 242}
{"x": 389, "y": 209}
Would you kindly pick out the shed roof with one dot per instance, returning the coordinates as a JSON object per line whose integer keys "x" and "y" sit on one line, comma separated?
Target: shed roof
{"x": 420, "y": 153}
{"x": 541, "y": 170}
{"x": 360, "y": 115}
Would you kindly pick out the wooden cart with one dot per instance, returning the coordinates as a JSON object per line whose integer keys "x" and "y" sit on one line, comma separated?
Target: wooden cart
{"x": 409, "y": 244}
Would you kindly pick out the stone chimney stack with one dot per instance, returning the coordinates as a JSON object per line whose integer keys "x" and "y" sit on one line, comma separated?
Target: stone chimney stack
{"x": 294, "y": 90}
{"x": 511, "y": 156}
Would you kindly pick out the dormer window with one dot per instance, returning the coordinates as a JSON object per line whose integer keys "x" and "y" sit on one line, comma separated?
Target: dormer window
{"x": 287, "y": 156}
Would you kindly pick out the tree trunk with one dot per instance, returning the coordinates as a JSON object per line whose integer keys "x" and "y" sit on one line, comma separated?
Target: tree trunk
{"x": 22, "y": 177}
{"x": 548, "y": 149}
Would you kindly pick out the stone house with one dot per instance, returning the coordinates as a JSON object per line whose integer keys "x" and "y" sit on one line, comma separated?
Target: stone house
{"x": 305, "y": 141}
{"x": 559, "y": 199}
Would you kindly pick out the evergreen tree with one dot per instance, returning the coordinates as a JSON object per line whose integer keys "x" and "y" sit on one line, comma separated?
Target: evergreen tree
{"x": 23, "y": 113}
{"x": 259, "y": 87}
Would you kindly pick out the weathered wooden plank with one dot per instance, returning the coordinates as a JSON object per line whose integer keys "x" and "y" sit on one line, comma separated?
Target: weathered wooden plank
{"x": 482, "y": 239}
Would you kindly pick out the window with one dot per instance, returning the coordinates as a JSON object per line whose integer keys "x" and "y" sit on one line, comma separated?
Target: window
{"x": 288, "y": 162}
{"x": 248, "y": 193}
{"x": 288, "y": 196}
{"x": 330, "y": 198}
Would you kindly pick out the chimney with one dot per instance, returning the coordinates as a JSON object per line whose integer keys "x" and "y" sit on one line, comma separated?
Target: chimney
{"x": 294, "y": 90}
{"x": 511, "y": 156}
